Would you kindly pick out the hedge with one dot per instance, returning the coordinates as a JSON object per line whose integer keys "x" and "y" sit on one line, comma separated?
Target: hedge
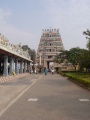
{"x": 77, "y": 78}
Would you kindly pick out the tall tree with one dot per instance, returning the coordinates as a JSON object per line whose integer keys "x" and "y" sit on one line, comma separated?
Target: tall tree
{"x": 85, "y": 60}
{"x": 87, "y": 33}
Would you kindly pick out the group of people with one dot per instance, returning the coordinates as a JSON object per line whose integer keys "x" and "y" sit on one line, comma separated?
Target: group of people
{"x": 46, "y": 71}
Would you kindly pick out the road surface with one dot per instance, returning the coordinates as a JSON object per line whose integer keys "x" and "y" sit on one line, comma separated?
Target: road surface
{"x": 44, "y": 97}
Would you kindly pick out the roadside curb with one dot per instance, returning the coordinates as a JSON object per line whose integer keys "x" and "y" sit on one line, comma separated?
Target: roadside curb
{"x": 8, "y": 78}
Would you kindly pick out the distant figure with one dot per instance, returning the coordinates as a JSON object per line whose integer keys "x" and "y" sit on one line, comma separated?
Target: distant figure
{"x": 52, "y": 71}
{"x": 45, "y": 71}
{"x": 36, "y": 71}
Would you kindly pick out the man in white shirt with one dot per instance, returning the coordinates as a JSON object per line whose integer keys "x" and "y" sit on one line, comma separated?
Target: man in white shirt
{"x": 52, "y": 71}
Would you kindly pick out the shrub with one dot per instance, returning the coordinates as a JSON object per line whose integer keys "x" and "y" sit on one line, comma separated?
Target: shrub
{"x": 81, "y": 78}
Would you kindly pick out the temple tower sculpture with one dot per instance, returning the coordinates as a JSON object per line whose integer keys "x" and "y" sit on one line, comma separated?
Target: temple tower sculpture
{"x": 49, "y": 46}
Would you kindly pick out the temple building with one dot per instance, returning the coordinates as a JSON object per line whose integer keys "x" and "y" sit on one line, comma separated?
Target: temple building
{"x": 49, "y": 46}
{"x": 13, "y": 59}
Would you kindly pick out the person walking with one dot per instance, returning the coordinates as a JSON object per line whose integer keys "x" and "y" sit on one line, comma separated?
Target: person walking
{"x": 45, "y": 71}
{"x": 52, "y": 71}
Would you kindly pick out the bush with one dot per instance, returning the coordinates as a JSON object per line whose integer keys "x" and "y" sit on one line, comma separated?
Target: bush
{"x": 81, "y": 78}
{"x": 57, "y": 69}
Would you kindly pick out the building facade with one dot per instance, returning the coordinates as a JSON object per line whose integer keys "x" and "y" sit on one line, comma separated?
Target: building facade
{"x": 13, "y": 59}
{"x": 49, "y": 46}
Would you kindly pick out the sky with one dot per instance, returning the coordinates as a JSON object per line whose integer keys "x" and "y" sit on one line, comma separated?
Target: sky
{"x": 22, "y": 21}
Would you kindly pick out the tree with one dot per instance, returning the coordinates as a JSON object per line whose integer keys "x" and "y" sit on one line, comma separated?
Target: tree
{"x": 72, "y": 56}
{"x": 87, "y": 33}
{"x": 31, "y": 52}
{"x": 85, "y": 60}
{"x": 33, "y": 55}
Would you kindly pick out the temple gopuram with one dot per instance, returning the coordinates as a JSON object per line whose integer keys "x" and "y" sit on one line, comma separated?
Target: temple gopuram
{"x": 49, "y": 46}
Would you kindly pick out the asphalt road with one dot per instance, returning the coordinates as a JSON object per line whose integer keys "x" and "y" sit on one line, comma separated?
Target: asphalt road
{"x": 45, "y": 97}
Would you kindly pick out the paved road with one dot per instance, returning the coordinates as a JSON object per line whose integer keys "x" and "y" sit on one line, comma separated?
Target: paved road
{"x": 10, "y": 89}
{"x": 48, "y": 97}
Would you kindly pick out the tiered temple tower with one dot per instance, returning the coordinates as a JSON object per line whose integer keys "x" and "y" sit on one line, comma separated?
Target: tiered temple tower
{"x": 49, "y": 46}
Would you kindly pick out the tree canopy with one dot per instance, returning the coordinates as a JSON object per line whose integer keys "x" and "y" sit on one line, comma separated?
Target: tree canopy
{"x": 71, "y": 56}
{"x": 31, "y": 52}
{"x": 87, "y": 33}
{"x": 76, "y": 56}
{"x": 85, "y": 59}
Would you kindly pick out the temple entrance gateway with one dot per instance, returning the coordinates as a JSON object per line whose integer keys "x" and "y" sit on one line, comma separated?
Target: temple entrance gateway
{"x": 50, "y": 65}
{"x": 49, "y": 46}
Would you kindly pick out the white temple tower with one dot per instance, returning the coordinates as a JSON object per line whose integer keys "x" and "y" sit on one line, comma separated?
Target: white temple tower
{"x": 49, "y": 46}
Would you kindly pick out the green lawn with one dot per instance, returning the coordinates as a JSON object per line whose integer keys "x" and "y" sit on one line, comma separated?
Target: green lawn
{"x": 80, "y": 77}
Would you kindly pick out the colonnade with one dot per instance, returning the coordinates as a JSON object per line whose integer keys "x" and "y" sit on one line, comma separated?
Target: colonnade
{"x": 10, "y": 66}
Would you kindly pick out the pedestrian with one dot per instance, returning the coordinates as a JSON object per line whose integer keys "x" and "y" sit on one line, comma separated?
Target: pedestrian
{"x": 45, "y": 71}
{"x": 52, "y": 71}
{"x": 35, "y": 71}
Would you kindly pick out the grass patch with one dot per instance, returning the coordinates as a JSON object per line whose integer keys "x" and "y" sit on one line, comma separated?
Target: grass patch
{"x": 80, "y": 77}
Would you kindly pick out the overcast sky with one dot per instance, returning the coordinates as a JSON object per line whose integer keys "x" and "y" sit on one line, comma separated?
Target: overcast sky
{"x": 22, "y": 21}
